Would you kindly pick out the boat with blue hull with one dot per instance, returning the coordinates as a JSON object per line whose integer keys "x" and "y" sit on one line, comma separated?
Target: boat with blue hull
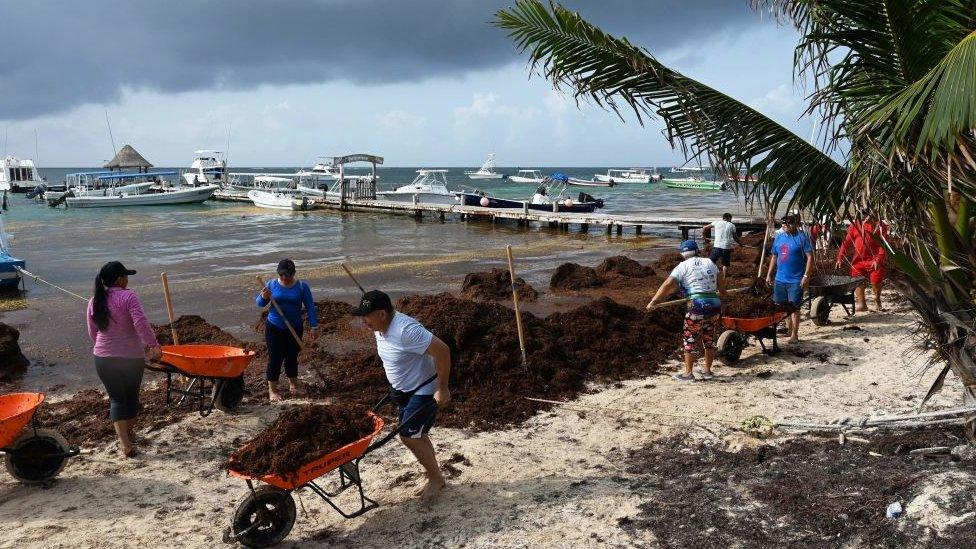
{"x": 9, "y": 265}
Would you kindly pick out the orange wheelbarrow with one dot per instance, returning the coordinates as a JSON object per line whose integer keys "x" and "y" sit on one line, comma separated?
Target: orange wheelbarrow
{"x": 223, "y": 367}
{"x": 32, "y": 455}
{"x": 266, "y": 516}
{"x": 737, "y": 331}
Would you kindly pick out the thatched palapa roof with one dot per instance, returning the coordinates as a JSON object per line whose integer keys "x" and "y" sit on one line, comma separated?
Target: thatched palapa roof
{"x": 128, "y": 157}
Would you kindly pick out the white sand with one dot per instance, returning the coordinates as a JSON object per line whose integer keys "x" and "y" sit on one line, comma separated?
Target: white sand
{"x": 557, "y": 481}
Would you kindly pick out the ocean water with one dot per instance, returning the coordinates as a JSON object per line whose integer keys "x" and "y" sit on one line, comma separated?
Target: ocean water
{"x": 213, "y": 251}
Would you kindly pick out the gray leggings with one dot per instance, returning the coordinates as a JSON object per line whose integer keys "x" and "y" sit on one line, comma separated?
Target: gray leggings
{"x": 122, "y": 378}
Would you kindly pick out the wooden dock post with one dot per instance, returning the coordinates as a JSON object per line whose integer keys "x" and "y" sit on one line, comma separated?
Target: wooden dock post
{"x": 610, "y": 228}
{"x": 442, "y": 215}
{"x": 639, "y": 227}
{"x": 620, "y": 230}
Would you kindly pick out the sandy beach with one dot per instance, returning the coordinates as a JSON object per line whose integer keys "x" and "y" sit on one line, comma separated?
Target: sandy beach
{"x": 571, "y": 476}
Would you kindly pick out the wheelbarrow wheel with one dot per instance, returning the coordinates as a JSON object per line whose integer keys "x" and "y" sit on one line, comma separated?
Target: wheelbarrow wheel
{"x": 230, "y": 393}
{"x": 730, "y": 345}
{"x": 820, "y": 310}
{"x": 37, "y": 456}
{"x": 265, "y": 517}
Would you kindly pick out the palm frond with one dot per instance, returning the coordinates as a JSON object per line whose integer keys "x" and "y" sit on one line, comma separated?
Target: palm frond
{"x": 943, "y": 100}
{"x": 699, "y": 120}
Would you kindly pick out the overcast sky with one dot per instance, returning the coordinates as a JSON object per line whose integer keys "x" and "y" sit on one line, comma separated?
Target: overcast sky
{"x": 420, "y": 82}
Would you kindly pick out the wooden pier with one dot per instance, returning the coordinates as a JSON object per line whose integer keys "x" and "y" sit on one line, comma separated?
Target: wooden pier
{"x": 561, "y": 221}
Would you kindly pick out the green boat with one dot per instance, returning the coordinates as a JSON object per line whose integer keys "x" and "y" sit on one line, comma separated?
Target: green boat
{"x": 695, "y": 184}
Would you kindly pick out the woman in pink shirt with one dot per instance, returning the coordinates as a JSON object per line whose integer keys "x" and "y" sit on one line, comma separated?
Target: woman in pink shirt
{"x": 123, "y": 341}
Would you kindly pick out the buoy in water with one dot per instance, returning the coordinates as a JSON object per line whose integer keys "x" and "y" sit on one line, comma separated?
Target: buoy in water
{"x": 485, "y": 202}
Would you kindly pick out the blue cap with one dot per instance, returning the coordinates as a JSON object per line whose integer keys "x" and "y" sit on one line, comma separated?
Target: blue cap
{"x": 688, "y": 246}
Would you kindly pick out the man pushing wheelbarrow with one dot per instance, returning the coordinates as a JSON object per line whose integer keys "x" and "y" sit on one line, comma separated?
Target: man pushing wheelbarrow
{"x": 418, "y": 367}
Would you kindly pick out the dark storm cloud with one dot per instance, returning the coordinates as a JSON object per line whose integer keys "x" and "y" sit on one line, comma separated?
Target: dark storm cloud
{"x": 61, "y": 54}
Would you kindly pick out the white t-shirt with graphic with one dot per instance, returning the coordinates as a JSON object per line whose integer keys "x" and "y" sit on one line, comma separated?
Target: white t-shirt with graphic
{"x": 403, "y": 350}
{"x": 697, "y": 275}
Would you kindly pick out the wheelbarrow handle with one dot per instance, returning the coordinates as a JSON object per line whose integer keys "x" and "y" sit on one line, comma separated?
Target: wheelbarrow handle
{"x": 389, "y": 436}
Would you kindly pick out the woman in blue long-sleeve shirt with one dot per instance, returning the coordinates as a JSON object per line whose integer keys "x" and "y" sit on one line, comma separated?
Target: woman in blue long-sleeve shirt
{"x": 291, "y": 295}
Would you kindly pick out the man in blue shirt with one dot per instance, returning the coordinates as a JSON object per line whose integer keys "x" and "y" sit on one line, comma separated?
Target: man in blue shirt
{"x": 794, "y": 259}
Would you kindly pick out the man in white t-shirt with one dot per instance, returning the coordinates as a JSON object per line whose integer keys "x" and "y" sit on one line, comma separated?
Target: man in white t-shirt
{"x": 724, "y": 234}
{"x": 418, "y": 367}
{"x": 703, "y": 284}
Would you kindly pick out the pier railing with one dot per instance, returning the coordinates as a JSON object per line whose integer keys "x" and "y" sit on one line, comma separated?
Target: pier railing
{"x": 360, "y": 188}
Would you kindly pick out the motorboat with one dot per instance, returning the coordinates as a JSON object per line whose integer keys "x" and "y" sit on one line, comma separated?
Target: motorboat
{"x": 105, "y": 183}
{"x": 277, "y": 199}
{"x": 633, "y": 175}
{"x": 691, "y": 180}
{"x": 239, "y": 183}
{"x": 550, "y": 197}
{"x": 589, "y": 183}
{"x": 18, "y": 175}
{"x": 526, "y": 176}
{"x": 692, "y": 183}
{"x": 324, "y": 170}
{"x": 9, "y": 265}
{"x": 486, "y": 171}
{"x": 156, "y": 196}
{"x": 585, "y": 203}
{"x": 429, "y": 187}
{"x": 207, "y": 168}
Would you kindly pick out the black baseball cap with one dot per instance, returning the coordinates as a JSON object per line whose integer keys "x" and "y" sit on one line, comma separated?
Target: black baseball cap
{"x": 373, "y": 300}
{"x": 112, "y": 271}
{"x": 286, "y": 267}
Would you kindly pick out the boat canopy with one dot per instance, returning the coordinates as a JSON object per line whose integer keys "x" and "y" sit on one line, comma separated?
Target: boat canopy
{"x": 133, "y": 175}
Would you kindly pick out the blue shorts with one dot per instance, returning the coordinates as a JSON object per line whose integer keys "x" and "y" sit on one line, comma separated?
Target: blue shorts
{"x": 417, "y": 416}
{"x": 784, "y": 292}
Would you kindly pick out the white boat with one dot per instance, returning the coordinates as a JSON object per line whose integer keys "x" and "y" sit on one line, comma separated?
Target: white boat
{"x": 590, "y": 183}
{"x": 154, "y": 197}
{"x": 105, "y": 183}
{"x": 207, "y": 168}
{"x": 324, "y": 170}
{"x": 486, "y": 171}
{"x": 633, "y": 175}
{"x": 18, "y": 175}
{"x": 246, "y": 181}
{"x": 429, "y": 187}
{"x": 527, "y": 176}
{"x": 276, "y": 199}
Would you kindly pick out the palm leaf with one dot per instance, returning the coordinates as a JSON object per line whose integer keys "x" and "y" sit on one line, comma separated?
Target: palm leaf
{"x": 943, "y": 100}
{"x": 698, "y": 119}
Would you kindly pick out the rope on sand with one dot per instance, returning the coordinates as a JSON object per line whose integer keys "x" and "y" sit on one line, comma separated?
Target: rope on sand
{"x": 36, "y": 278}
{"x": 759, "y": 423}
{"x": 939, "y": 417}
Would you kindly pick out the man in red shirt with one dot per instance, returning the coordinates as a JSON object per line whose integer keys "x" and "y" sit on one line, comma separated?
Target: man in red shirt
{"x": 865, "y": 237}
